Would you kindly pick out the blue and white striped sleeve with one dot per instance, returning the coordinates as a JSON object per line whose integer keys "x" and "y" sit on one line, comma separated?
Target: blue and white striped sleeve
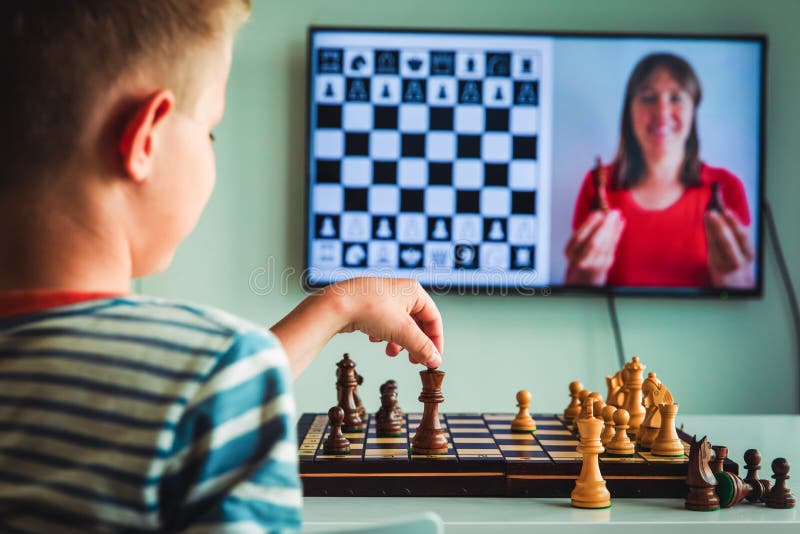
{"x": 233, "y": 465}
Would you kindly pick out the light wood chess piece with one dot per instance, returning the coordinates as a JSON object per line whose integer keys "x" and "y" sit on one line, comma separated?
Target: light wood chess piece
{"x": 590, "y": 489}
{"x": 523, "y": 422}
{"x": 574, "y": 408}
{"x": 615, "y": 396}
{"x": 608, "y": 429}
{"x": 632, "y": 375}
{"x": 621, "y": 444}
{"x": 667, "y": 442}
{"x": 653, "y": 394}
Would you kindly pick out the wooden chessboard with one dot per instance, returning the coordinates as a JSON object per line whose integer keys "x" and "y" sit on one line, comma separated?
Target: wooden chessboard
{"x": 484, "y": 459}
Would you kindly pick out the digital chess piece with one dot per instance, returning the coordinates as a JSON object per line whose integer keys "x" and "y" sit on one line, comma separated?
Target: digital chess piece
{"x": 574, "y": 408}
{"x": 442, "y": 93}
{"x": 526, "y": 65}
{"x": 715, "y": 200}
{"x": 357, "y": 92}
{"x": 384, "y": 230}
{"x": 667, "y": 442}
{"x": 470, "y": 94}
{"x": 752, "y": 460}
{"x": 614, "y": 385}
{"x": 471, "y": 65}
{"x": 526, "y": 94}
{"x": 358, "y": 62}
{"x": 780, "y": 496}
{"x": 336, "y": 443}
{"x": 632, "y": 377}
{"x": 387, "y": 422}
{"x": 523, "y": 422}
{"x": 386, "y": 93}
{"x": 346, "y": 384}
{"x": 498, "y": 94}
{"x": 700, "y": 479}
{"x": 354, "y": 255}
{"x": 440, "y": 230}
{"x": 608, "y": 420}
{"x": 429, "y": 437}
{"x": 523, "y": 257}
{"x": 496, "y": 233}
{"x": 327, "y": 229}
{"x": 590, "y": 489}
{"x": 329, "y": 90}
{"x": 717, "y": 464}
{"x": 413, "y": 92}
{"x": 620, "y": 444}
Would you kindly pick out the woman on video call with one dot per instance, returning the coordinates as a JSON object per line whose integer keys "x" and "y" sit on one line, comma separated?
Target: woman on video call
{"x": 656, "y": 221}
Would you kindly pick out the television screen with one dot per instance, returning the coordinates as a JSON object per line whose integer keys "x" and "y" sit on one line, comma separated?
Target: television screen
{"x": 519, "y": 161}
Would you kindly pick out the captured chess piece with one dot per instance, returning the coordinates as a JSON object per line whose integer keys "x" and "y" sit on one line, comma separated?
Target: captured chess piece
{"x": 731, "y": 489}
{"x": 590, "y": 489}
{"x": 632, "y": 377}
{"x": 346, "y": 384}
{"x": 667, "y": 442}
{"x": 387, "y": 421}
{"x": 336, "y": 443}
{"x": 574, "y": 408}
{"x": 717, "y": 464}
{"x": 700, "y": 479}
{"x": 620, "y": 444}
{"x": 608, "y": 430}
{"x": 780, "y": 496}
{"x": 752, "y": 460}
{"x": 430, "y": 437}
{"x": 523, "y": 422}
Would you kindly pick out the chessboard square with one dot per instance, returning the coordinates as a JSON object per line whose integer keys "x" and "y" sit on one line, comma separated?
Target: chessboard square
{"x": 413, "y": 145}
{"x": 496, "y": 147}
{"x": 355, "y": 255}
{"x": 384, "y": 172}
{"x": 357, "y": 117}
{"x": 496, "y": 174}
{"x": 529, "y": 448}
{"x": 440, "y": 200}
{"x": 387, "y": 61}
{"x": 565, "y": 455}
{"x": 468, "y": 174}
{"x": 358, "y": 62}
{"x": 558, "y": 442}
{"x": 498, "y": 417}
{"x": 469, "y": 119}
{"x": 523, "y": 202}
{"x": 384, "y": 199}
{"x": 329, "y": 89}
{"x": 469, "y": 146}
{"x": 326, "y": 255}
{"x": 468, "y": 201}
{"x": 467, "y": 228}
{"x": 496, "y": 120}
{"x": 524, "y": 147}
{"x": 329, "y": 60}
{"x": 412, "y": 200}
{"x": 442, "y": 62}
{"x": 497, "y": 93}
{"x": 521, "y": 230}
{"x": 328, "y": 171}
{"x": 411, "y": 255}
{"x": 384, "y": 145}
{"x": 382, "y": 254}
{"x": 526, "y": 93}
{"x": 326, "y": 226}
{"x": 470, "y": 65}
{"x": 441, "y": 146}
{"x": 412, "y": 173}
{"x": 356, "y": 171}
{"x": 442, "y": 91}
{"x": 524, "y": 120}
{"x": 328, "y": 199}
{"x": 356, "y": 144}
{"x": 386, "y": 90}
{"x": 543, "y": 431}
{"x": 483, "y": 451}
{"x": 413, "y": 118}
{"x": 498, "y": 64}
{"x": 329, "y": 116}
{"x": 357, "y": 89}
{"x": 495, "y": 201}
{"x": 328, "y": 144}
{"x": 438, "y": 256}
{"x": 458, "y": 441}
{"x": 385, "y": 117}
{"x": 441, "y": 118}
{"x": 386, "y": 441}
{"x": 355, "y": 199}
{"x": 495, "y": 256}
{"x": 440, "y": 173}
{"x": 466, "y": 257}
{"x": 414, "y": 63}
{"x": 525, "y": 65}
{"x": 522, "y": 175}
{"x": 439, "y": 228}
{"x": 411, "y": 227}
{"x": 515, "y": 438}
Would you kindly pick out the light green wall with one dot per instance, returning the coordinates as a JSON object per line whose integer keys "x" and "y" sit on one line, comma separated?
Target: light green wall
{"x": 717, "y": 357}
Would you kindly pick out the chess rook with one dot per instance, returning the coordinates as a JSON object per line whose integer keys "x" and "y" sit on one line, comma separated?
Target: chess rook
{"x": 667, "y": 442}
{"x": 430, "y": 437}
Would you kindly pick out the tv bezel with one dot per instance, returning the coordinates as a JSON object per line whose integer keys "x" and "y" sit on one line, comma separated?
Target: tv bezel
{"x": 564, "y": 289}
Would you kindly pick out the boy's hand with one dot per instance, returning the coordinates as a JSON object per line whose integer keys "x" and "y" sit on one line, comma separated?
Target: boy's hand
{"x": 394, "y": 310}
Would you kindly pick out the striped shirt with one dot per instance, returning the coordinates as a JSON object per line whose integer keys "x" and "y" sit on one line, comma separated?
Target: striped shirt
{"x": 140, "y": 414}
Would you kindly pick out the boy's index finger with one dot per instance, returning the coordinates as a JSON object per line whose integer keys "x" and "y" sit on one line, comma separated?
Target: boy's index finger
{"x": 427, "y": 315}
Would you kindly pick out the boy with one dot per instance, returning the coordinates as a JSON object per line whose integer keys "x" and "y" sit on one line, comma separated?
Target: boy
{"x": 121, "y": 412}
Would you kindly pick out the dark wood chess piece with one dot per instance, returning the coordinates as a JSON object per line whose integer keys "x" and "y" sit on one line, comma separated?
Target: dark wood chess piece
{"x": 390, "y": 386}
{"x": 715, "y": 202}
{"x": 700, "y": 479}
{"x": 752, "y": 460}
{"x": 346, "y": 383}
{"x": 387, "y": 424}
{"x": 780, "y": 496}
{"x": 362, "y": 412}
{"x": 430, "y": 438}
{"x": 336, "y": 443}
{"x": 718, "y": 462}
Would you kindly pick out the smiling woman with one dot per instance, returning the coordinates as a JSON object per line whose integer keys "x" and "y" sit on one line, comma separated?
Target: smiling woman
{"x": 665, "y": 218}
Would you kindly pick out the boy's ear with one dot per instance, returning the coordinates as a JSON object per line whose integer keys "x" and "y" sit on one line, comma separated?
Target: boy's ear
{"x": 136, "y": 143}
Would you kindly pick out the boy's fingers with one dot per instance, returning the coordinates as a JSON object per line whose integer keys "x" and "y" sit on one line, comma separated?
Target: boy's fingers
{"x": 421, "y": 349}
{"x": 374, "y": 339}
{"x": 426, "y": 315}
{"x": 393, "y": 349}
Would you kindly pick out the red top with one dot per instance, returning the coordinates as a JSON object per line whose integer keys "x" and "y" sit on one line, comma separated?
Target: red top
{"x": 666, "y": 247}
{"x": 21, "y": 302}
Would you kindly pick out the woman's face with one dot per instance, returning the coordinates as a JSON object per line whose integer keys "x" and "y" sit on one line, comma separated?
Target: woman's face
{"x": 662, "y": 112}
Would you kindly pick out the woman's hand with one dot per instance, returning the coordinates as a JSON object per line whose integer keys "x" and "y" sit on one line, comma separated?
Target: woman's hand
{"x": 592, "y": 248}
{"x": 731, "y": 255}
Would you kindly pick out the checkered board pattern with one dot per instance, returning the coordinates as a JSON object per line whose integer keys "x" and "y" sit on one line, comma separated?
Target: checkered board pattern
{"x": 425, "y": 158}
{"x": 485, "y": 458}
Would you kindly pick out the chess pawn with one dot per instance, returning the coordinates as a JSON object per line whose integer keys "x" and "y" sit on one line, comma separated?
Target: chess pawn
{"x": 608, "y": 429}
{"x": 590, "y": 399}
{"x": 590, "y": 489}
{"x": 390, "y": 386}
{"x": 597, "y": 408}
{"x": 780, "y": 496}
{"x": 752, "y": 460}
{"x": 336, "y": 443}
{"x": 429, "y": 437}
{"x": 523, "y": 422}
{"x": 574, "y": 408}
{"x": 667, "y": 442}
{"x": 620, "y": 444}
{"x": 387, "y": 424}
{"x": 732, "y": 490}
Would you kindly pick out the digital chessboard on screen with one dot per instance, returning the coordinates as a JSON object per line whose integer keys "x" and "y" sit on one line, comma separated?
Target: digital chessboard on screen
{"x": 429, "y": 157}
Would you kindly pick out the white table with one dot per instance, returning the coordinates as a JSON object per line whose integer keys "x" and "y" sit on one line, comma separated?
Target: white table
{"x": 772, "y": 435}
